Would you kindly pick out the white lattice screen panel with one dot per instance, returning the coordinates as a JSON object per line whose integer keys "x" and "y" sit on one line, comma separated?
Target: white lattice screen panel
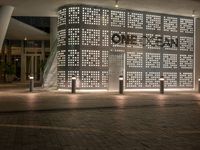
{"x": 91, "y": 58}
{"x": 153, "y": 22}
{"x": 90, "y": 79}
{"x": 62, "y": 17}
{"x": 152, "y": 60}
{"x": 134, "y": 60}
{"x": 85, "y": 42}
{"x": 73, "y": 57}
{"x": 91, "y": 37}
{"x": 186, "y": 61}
{"x": 61, "y": 58}
{"x": 104, "y": 76}
{"x": 61, "y": 79}
{"x": 152, "y": 79}
{"x": 186, "y": 79}
{"x": 170, "y": 61}
{"x": 61, "y": 35}
{"x": 105, "y": 17}
{"x": 170, "y": 24}
{"x": 186, "y": 43}
{"x": 73, "y": 36}
{"x": 91, "y": 16}
{"x": 74, "y": 15}
{"x": 135, "y": 20}
{"x": 186, "y": 25}
{"x": 170, "y": 79}
{"x": 134, "y": 80}
{"x": 117, "y": 18}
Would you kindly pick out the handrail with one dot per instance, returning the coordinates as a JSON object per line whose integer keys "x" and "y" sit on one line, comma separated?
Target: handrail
{"x": 50, "y": 60}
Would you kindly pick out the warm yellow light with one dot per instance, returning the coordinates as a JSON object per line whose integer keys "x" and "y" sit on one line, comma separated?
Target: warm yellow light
{"x": 73, "y": 78}
{"x": 116, "y": 5}
{"x": 31, "y": 77}
{"x": 162, "y": 79}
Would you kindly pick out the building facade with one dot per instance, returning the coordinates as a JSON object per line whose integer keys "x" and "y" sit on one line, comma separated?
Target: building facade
{"x": 97, "y": 45}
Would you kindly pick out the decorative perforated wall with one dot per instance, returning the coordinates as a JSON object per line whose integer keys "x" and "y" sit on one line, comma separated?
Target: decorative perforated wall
{"x": 85, "y": 42}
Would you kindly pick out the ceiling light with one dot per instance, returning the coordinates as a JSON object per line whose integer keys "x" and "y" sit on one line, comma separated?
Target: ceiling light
{"x": 116, "y": 4}
{"x": 193, "y": 13}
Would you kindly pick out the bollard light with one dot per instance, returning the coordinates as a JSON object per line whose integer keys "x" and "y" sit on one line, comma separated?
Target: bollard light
{"x": 31, "y": 85}
{"x": 162, "y": 80}
{"x": 73, "y": 84}
{"x": 121, "y": 84}
{"x": 199, "y": 85}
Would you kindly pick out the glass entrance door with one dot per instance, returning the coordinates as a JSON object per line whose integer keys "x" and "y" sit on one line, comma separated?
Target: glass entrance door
{"x": 33, "y": 63}
{"x": 116, "y": 68}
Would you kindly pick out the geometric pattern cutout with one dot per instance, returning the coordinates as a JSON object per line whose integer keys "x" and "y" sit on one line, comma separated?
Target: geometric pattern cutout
{"x": 153, "y": 22}
{"x": 74, "y": 15}
{"x": 84, "y": 43}
{"x": 91, "y": 37}
{"x": 90, "y": 79}
{"x": 104, "y": 58}
{"x": 117, "y": 18}
{"x": 152, "y": 60}
{"x": 91, "y": 16}
{"x": 61, "y": 59}
{"x": 73, "y": 58}
{"x": 134, "y": 59}
{"x": 61, "y": 35}
{"x": 62, "y": 17}
{"x": 170, "y": 79}
{"x": 134, "y": 80}
{"x": 73, "y": 36}
{"x": 186, "y": 44}
{"x": 186, "y": 79}
{"x": 61, "y": 79}
{"x": 186, "y": 61}
{"x": 105, "y": 38}
{"x": 105, "y": 17}
{"x": 135, "y": 20}
{"x": 186, "y": 25}
{"x": 104, "y": 76}
{"x": 152, "y": 79}
{"x": 91, "y": 58}
{"x": 170, "y": 61}
{"x": 170, "y": 24}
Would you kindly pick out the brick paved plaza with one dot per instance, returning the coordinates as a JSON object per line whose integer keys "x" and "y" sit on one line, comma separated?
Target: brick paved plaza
{"x": 133, "y": 121}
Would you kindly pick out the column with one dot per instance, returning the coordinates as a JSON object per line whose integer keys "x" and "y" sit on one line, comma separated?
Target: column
{"x": 5, "y": 15}
{"x": 23, "y": 62}
{"x": 197, "y": 53}
{"x": 53, "y": 31}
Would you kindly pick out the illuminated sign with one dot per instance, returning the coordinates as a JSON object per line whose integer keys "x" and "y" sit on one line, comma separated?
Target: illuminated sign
{"x": 134, "y": 40}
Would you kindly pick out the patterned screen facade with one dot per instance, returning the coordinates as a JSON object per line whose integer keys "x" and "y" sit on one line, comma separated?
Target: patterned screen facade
{"x": 84, "y": 43}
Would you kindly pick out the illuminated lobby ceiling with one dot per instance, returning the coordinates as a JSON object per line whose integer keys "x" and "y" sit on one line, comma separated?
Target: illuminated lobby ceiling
{"x": 49, "y": 7}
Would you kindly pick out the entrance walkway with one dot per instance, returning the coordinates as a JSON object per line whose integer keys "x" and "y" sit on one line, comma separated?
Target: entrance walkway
{"x": 20, "y": 99}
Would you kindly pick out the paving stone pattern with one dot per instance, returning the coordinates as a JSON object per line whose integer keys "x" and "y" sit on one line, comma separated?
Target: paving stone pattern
{"x": 141, "y": 128}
